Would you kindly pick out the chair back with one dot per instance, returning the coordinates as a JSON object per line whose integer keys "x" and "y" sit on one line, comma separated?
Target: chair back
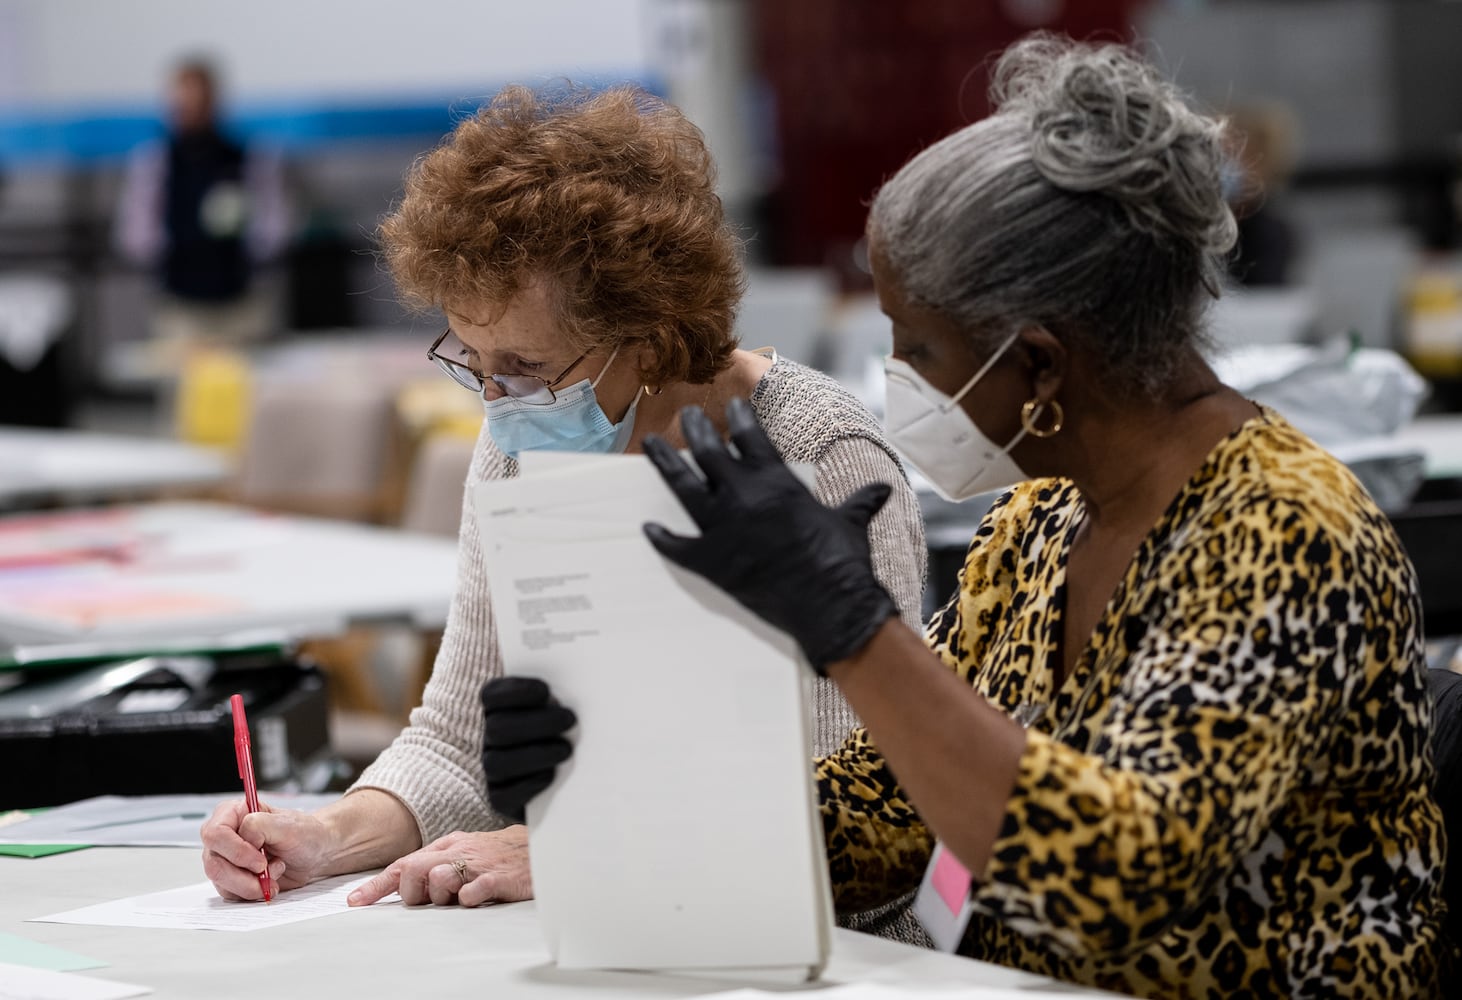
{"x": 434, "y": 492}
{"x": 1446, "y": 689}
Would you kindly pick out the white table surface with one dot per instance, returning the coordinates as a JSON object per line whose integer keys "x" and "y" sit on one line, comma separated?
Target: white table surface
{"x": 85, "y": 465}
{"x": 387, "y": 950}
{"x": 1439, "y": 437}
{"x": 169, "y": 576}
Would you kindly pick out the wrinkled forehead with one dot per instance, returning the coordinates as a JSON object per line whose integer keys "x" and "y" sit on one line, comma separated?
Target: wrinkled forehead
{"x": 521, "y": 293}
{"x": 526, "y": 324}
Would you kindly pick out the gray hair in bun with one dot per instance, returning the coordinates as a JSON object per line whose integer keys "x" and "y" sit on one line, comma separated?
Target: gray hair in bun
{"x": 1088, "y": 203}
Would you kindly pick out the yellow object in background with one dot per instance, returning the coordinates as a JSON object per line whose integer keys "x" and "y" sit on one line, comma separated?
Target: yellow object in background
{"x": 1434, "y": 323}
{"x": 437, "y": 423}
{"x": 466, "y": 426}
{"x": 213, "y": 399}
{"x": 438, "y": 406}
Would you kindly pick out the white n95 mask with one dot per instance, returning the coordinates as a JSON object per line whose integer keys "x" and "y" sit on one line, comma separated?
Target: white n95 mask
{"x": 940, "y": 440}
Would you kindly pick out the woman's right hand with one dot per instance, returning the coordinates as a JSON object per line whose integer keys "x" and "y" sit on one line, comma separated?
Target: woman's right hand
{"x": 297, "y": 843}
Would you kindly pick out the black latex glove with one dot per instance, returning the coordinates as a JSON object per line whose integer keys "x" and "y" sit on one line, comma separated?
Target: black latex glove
{"x": 522, "y": 741}
{"x": 768, "y": 542}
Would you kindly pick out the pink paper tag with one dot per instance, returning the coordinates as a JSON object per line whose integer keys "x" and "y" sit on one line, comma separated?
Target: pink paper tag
{"x": 951, "y": 880}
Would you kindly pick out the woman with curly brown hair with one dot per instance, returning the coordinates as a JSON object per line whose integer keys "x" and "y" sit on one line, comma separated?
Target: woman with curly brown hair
{"x": 590, "y": 281}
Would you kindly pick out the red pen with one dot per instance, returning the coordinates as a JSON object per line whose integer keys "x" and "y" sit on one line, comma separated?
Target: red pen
{"x": 245, "y": 755}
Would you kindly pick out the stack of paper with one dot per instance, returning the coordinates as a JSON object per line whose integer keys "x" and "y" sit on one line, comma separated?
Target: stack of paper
{"x": 683, "y": 833}
{"x": 135, "y": 820}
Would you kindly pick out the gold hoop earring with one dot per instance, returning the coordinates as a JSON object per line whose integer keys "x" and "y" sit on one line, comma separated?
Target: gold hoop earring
{"x": 653, "y": 392}
{"x": 1032, "y": 409}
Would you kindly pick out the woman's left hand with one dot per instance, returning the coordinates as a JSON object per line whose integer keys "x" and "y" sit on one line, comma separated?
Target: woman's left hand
{"x": 768, "y": 542}
{"x": 466, "y": 869}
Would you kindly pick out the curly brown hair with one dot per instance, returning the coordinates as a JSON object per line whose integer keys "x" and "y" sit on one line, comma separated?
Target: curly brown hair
{"x": 608, "y": 196}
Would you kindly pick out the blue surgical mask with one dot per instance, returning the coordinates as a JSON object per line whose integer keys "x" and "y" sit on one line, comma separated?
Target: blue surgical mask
{"x": 574, "y": 421}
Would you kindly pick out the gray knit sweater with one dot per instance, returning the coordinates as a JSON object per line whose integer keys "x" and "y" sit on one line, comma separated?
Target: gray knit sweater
{"x": 434, "y": 766}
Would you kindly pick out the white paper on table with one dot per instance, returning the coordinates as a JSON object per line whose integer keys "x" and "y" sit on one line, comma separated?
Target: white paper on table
{"x": 137, "y": 820}
{"x": 199, "y": 907}
{"x": 683, "y": 833}
{"x": 899, "y": 991}
{"x": 21, "y": 982}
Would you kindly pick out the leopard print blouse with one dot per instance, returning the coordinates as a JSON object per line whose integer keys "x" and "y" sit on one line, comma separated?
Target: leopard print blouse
{"x": 1230, "y": 794}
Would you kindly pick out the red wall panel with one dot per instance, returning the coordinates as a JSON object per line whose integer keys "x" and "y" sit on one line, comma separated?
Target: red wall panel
{"x": 860, "y": 85}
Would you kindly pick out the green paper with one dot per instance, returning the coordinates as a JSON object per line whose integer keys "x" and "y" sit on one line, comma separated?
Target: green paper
{"x": 16, "y": 950}
{"x": 38, "y": 850}
{"x": 33, "y": 850}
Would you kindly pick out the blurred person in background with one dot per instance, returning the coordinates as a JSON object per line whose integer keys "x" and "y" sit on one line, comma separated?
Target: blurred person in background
{"x": 1261, "y": 155}
{"x": 203, "y": 211}
{"x": 590, "y": 283}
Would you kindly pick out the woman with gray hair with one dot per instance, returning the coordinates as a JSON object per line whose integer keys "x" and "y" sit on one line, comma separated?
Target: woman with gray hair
{"x": 1172, "y": 736}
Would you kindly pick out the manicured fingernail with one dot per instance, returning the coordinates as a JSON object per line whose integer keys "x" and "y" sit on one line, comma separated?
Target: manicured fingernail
{"x": 354, "y": 898}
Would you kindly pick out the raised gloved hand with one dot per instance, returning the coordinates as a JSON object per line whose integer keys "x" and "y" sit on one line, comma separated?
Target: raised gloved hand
{"x": 522, "y": 741}
{"x": 768, "y": 542}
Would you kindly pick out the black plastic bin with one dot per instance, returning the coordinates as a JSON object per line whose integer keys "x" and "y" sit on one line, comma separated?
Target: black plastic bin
{"x": 111, "y": 742}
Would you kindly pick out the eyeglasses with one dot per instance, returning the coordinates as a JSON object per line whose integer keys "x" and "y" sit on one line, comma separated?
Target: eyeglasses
{"x": 528, "y": 388}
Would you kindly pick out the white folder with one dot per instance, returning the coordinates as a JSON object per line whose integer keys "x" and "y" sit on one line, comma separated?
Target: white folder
{"x": 683, "y": 834}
